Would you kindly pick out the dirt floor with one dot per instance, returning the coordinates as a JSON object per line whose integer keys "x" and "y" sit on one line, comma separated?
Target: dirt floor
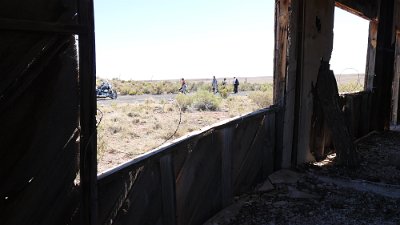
{"x": 327, "y": 194}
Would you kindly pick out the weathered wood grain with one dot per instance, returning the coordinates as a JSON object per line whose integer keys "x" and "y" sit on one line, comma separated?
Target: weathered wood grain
{"x": 226, "y": 139}
{"x": 168, "y": 190}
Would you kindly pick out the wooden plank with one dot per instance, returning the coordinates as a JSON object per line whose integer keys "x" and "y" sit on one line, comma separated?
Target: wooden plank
{"x": 371, "y": 56}
{"x": 364, "y": 9}
{"x": 270, "y": 147}
{"x": 365, "y": 114}
{"x": 328, "y": 96}
{"x": 36, "y": 26}
{"x": 226, "y": 174}
{"x": 250, "y": 166}
{"x": 143, "y": 203}
{"x": 198, "y": 186}
{"x": 396, "y": 78}
{"x": 349, "y": 114}
{"x": 168, "y": 190}
{"x": 28, "y": 69}
{"x": 112, "y": 195}
{"x": 242, "y": 140}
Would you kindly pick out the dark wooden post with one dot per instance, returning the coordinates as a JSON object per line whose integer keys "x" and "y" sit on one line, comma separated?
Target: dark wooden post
{"x": 384, "y": 64}
{"x": 88, "y": 141}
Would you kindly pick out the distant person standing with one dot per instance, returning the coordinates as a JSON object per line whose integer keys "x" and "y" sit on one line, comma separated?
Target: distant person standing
{"x": 214, "y": 85}
{"x": 183, "y": 86}
{"x": 235, "y": 85}
{"x": 224, "y": 82}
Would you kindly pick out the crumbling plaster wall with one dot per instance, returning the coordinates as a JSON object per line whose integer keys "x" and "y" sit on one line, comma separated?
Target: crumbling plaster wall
{"x": 318, "y": 44}
{"x": 310, "y": 39}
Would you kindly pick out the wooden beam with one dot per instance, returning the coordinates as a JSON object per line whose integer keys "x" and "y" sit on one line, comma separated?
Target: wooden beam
{"x": 281, "y": 45}
{"x": 88, "y": 109}
{"x": 290, "y": 118}
{"x": 384, "y": 65}
{"x": 27, "y": 25}
{"x": 396, "y": 83}
{"x": 362, "y": 8}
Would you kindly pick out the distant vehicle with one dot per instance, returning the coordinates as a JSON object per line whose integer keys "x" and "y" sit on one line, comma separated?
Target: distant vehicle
{"x": 105, "y": 91}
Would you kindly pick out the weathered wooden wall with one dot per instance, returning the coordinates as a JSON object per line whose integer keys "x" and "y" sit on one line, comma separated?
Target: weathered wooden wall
{"x": 309, "y": 38}
{"x": 38, "y": 115}
{"x": 190, "y": 180}
{"x": 357, "y": 109}
{"x": 396, "y": 77}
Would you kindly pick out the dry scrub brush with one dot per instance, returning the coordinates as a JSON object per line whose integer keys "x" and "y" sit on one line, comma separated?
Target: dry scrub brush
{"x": 131, "y": 87}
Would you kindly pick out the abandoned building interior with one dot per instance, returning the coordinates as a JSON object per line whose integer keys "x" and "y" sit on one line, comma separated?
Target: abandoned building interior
{"x": 48, "y": 117}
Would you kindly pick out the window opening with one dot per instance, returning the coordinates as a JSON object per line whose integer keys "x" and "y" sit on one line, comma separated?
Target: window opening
{"x": 349, "y": 53}
{"x": 145, "y": 48}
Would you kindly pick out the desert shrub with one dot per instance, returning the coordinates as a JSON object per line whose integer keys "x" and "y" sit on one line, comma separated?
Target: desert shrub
{"x": 245, "y": 86}
{"x": 184, "y": 101}
{"x": 205, "y": 100}
{"x": 171, "y": 87}
{"x": 224, "y": 92}
{"x": 261, "y": 98}
{"x": 158, "y": 88}
{"x": 350, "y": 87}
{"x": 200, "y": 86}
{"x": 267, "y": 87}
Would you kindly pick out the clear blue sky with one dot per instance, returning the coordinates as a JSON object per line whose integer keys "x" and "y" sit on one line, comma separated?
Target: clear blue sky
{"x": 154, "y": 39}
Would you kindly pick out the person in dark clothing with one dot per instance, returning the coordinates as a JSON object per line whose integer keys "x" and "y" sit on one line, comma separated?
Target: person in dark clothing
{"x": 214, "y": 85}
{"x": 235, "y": 85}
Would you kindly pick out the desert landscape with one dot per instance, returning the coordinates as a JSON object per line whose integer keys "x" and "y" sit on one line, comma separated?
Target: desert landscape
{"x": 148, "y": 114}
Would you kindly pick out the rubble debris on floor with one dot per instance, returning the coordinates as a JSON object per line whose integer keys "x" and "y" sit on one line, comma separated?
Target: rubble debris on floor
{"x": 328, "y": 194}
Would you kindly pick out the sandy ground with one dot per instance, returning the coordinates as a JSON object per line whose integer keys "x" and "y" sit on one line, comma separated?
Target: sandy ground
{"x": 133, "y": 125}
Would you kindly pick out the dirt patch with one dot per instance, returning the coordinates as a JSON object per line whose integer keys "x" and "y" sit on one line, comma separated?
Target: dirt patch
{"x": 133, "y": 126}
{"x": 380, "y": 160}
